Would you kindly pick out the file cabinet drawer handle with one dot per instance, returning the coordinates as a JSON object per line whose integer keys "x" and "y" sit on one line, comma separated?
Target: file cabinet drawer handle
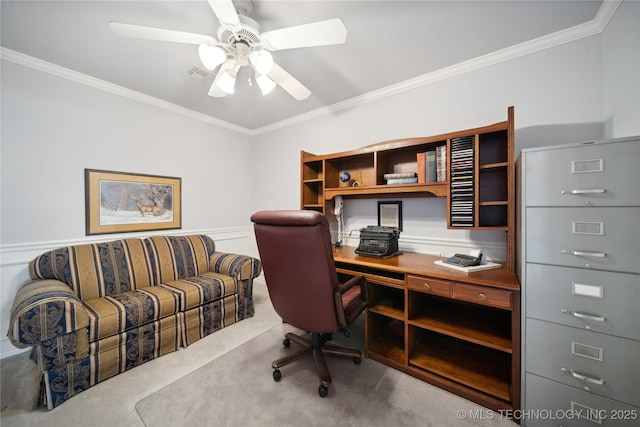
{"x": 583, "y": 377}
{"x": 583, "y": 253}
{"x": 590, "y": 191}
{"x": 584, "y": 316}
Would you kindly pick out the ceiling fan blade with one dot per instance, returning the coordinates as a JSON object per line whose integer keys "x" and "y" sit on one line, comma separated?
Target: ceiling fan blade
{"x": 226, "y": 13}
{"x": 287, "y": 82}
{"x": 151, "y": 33}
{"x": 320, "y": 33}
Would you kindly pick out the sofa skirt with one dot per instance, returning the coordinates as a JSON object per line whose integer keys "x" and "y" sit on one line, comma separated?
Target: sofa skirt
{"x": 111, "y": 356}
{"x": 208, "y": 318}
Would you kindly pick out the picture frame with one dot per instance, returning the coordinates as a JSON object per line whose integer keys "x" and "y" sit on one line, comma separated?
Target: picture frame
{"x": 390, "y": 214}
{"x": 123, "y": 202}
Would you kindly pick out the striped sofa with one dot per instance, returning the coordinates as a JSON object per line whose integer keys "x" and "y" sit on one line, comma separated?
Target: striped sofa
{"x": 93, "y": 311}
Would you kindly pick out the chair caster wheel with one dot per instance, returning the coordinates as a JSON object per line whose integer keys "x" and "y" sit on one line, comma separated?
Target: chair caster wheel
{"x": 286, "y": 342}
{"x": 357, "y": 360}
{"x": 323, "y": 390}
{"x": 277, "y": 375}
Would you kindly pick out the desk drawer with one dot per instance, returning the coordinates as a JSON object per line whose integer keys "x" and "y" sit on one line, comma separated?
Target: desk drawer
{"x": 599, "y": 363}
{"x": 556, "y": 404}
{"x": 483, "y": 295}
{"x": 584, "y": 176}
{"x": 600, "y": 301}
{"x": 429, "y": 285}
{"x": 597, "y": 238}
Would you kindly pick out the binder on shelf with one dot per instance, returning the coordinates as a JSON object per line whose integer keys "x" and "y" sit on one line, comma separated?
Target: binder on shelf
{"x": 441, "y": 163}
{"x": 431, "y": 166}
{"x": 421, "y": 166}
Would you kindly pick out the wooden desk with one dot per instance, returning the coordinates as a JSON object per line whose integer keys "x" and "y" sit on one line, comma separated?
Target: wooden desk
{"x": 457, "y": 331}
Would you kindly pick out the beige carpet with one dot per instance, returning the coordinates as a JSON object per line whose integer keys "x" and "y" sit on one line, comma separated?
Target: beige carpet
{"x": 238, "y": 389}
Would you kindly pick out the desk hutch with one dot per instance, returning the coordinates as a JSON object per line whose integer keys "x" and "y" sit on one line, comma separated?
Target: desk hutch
{"x": 459, "y": 331}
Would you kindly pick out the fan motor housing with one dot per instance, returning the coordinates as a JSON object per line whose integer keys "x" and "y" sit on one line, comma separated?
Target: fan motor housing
{"x": 249, "y": 33}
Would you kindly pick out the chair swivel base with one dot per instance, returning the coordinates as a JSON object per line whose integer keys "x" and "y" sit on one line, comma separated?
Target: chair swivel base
{"x": 316, "y": 346}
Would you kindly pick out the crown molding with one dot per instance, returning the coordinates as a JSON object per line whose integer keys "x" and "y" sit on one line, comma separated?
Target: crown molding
{"x": 74, "y": 76}
{"x": 587, "y": 29}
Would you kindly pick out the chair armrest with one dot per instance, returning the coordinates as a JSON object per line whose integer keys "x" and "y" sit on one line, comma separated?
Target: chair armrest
{"x": 45, "y": 309}
{"x": 355, "y": 302}
{"x": 242, "y": 267}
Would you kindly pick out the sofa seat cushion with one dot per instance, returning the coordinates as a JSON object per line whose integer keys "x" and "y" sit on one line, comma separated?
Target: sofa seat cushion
{"x": 117, "y": 313}
{"x": 202, "y": 289}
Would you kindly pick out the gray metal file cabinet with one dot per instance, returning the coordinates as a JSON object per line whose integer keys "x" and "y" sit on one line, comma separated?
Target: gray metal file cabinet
{"x": 579, "y": 270}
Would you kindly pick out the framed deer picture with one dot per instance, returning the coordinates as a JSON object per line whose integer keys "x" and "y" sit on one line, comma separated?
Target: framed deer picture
{"x": 120, "y": 202}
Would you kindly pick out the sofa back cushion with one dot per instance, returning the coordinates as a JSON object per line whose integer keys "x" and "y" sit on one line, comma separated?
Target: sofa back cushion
{"x": 97, "y": 269}
{"x": 178, "y": 257}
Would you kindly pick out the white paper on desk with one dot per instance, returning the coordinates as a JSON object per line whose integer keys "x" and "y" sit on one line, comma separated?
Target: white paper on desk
{"x": 484, "y": 266}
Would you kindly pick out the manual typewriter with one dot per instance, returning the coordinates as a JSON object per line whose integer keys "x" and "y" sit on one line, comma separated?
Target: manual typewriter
{"x": 378, "y": 241}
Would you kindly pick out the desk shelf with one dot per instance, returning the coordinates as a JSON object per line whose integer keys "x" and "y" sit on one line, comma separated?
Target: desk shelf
{"x": 465, "y": 363}
{"x": 385, "y": 337}
{"x": 484, "y": 326}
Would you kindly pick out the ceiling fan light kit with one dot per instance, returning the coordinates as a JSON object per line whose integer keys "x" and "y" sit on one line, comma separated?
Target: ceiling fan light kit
{"x": 265, "y": 83}
{"x": 211, "y": 56}
{"x": 240, "y": 43}
{"x": 261, "y": 60}
{"x": 226, "y": 81}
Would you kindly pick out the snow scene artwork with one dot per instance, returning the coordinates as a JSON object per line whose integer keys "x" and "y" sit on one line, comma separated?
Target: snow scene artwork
{"x": 119, "y": 202}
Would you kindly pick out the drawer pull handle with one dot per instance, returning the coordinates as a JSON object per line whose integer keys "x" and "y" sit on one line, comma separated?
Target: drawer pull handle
{"x": 583, "y": 377}
{"x": 482, "y": 296}
{"x": 583, "y": 253}
{"x": 427, "y": 286}
{"x": 590, "y": 191}
{"x": 584, "y": 316}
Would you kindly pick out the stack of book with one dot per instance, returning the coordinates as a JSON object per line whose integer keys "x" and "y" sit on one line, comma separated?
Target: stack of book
{"x": 400, "y": 178}
{"x": 462, "y": 189}
{"x": 432, "y": 165}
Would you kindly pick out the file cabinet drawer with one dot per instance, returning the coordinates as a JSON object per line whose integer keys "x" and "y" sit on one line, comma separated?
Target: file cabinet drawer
{"x": 560, "y": 405}
{"x": 584, "y": 176}
{"x": 600, "y": 301}
{"x": 429, "y": 285}
{"x": 597, "y": 238}
{"x": 482, "y": 295}
{"x": 601, "y": 364}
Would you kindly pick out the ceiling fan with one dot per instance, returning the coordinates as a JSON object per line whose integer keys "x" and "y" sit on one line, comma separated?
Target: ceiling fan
{"x": 240, "y": 43}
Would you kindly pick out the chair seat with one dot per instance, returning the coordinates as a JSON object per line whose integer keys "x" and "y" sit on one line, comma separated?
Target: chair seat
{"x": 114, "y": 314}
{"x": 202, "y": 289}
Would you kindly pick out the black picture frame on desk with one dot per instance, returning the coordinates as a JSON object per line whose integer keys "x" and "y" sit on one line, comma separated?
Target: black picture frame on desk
{"x": 390, "y": 214}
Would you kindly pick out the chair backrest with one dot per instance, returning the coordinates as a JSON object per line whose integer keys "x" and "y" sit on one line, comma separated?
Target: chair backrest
{"x": 297, "y": 260}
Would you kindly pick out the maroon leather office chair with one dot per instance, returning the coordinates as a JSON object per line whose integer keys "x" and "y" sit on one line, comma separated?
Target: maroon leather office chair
{"x": 297, "y": 261}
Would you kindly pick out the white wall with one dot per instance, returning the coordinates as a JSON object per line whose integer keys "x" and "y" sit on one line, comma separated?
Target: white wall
{"x": 621, "y": 70}
{"x": 551, "y": 90}
{"x": 53, "y": 128}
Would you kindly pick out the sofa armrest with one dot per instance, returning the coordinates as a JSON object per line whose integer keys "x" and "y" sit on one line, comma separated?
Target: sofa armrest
{"x": 45, "y": 309}
{"x": 242, "y": 267}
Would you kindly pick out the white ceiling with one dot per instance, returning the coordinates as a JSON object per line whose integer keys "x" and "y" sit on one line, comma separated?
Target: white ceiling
{"x": 388, "y": 42}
